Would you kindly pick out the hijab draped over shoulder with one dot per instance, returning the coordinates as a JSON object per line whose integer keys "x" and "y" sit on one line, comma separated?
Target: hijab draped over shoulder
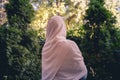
{"x": 61, "y": 58}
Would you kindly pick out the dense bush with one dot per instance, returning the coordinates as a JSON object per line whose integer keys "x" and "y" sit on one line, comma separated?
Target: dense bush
{"x": 20, "y": 61}
{"x": 105, "y": 65}
{"x": 20, "y": 47}
{"x": 19, "y": 13}
{"x": 100, "y": 43}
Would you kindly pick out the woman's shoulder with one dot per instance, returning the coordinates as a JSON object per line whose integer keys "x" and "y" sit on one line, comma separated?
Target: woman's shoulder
{"x": 67, "y": 43}
{"x": 72, "y": 43}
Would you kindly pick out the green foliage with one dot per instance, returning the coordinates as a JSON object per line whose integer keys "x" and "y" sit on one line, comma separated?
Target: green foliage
{"x": 99, "y": 42}
{"x": 72, "y": 12}
{"x": 3, "y": 55}
{"x": 20, "y": 57}
{"x": 99, "y": 27}
{"x": 97, "y": 14}
{"x": 20, "y": 47}
{"x": 23, "y": 55}
{"x": 105, "y": 64}
{"x": 19, "y": 13}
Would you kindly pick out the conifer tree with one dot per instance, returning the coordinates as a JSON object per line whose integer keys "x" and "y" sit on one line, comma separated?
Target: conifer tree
{"x": 99, "y": 27}
{"x": 19, "y": 44}
{"x": 19, "y": 13}
{"x": 98, "y": 41}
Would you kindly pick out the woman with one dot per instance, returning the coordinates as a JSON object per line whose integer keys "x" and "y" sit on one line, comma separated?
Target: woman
{"x": 61, "y": 58}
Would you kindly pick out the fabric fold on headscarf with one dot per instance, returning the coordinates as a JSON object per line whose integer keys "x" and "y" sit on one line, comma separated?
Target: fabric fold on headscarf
{"x": 61, "y": 58}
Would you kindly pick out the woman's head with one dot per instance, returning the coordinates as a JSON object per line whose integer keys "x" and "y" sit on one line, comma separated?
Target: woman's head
{"x": 55, "y": 28}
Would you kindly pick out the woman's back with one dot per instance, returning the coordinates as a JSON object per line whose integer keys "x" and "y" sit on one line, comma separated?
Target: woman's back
{"x": 61, "y": 58}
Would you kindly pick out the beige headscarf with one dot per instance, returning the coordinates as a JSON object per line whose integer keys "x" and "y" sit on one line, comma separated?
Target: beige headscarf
{"x": 61, "y": 58}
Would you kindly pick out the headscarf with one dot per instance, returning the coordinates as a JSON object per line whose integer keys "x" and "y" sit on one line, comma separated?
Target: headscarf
{"x": 61, "y": 58}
